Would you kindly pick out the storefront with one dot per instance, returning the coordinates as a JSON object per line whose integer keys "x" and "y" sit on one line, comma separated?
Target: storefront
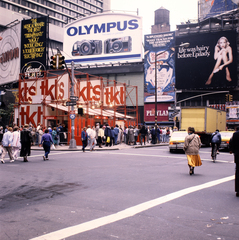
{"x": 48, "y": 100}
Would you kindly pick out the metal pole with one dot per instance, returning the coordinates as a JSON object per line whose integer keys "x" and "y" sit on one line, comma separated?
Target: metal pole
{"x": 175, "y": 106}
{"x": 72, "y": 141}
{"x": 156, "y": 97}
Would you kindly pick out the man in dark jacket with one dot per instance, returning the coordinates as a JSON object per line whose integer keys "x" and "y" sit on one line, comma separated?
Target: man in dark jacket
{"x": 26, "y": 141}
{"x": 215, "y": 141}
{"x": 234, "y": 148}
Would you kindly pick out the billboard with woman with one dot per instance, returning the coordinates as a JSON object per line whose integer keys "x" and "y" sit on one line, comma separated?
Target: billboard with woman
{"x": 210, "y": 62}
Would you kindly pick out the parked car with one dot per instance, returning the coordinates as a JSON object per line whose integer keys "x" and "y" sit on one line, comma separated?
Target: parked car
{"x": 177, "y": 140}
{"x": 226, "y": 136}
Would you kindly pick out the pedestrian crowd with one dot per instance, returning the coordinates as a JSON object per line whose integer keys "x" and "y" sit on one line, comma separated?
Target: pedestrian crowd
{"x": 18, "y": 140}
{"x": 108, "y": 136}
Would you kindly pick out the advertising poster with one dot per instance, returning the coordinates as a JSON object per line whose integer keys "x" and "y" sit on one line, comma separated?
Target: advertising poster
{"x": 210, "y": 62}
{"x": 104, "y": 38}
{"x": 10, "y": 54}
{"x": 34, "y": 47}
{"x": 232, "y": 109}
{"x": 209, "y": 8}
{"x": 162, "y": 112}
{"x": 162, "y": 45}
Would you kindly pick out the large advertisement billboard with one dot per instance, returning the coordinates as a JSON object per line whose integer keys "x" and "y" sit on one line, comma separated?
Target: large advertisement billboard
{"x": 104, "y": 38}
{"x": 210, "y": 62}
{"x": 34, "y": 47}
{"x": 209, "y": 8}
{"x": 10, "y": 54}
{"x": 162, "y": 46}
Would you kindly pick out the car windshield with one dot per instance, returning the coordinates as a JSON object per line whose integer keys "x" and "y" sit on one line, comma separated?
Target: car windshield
{"x": 179, "y": 135}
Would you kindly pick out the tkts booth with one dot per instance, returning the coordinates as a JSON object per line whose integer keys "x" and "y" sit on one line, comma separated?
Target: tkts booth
{"x": 48, "y": 101}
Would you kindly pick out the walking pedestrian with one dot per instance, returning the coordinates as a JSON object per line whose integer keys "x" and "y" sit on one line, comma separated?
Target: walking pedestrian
{"x": 116, "y": 130}
{"x": 46, "y": 142}
{"x": 7, "y": 145}
{"x": 84, "y": 139}
{"x": 107, "y": 135}
{"x": 191, "y": 147}
{"x": 136, "y": 134}
{"x": 92, "y": 139}
{"x": 54, "y": 136}
{"x": 100, "y": 136}
{"x": 153, "y": 134}
{"x": 234, "y": 148}
{"x": 143, "y": 132}
{"x": 16, "y": 144}
{"x": 26, "y": 141}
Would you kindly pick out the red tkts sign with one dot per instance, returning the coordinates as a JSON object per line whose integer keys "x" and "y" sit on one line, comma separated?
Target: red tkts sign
{"x": 162, "y": 112}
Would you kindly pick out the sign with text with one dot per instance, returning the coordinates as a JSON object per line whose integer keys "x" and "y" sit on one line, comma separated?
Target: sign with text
{"x": 34, "y": 47}
{"x": 162, "y": 112}
{"x": 162, "y": 46}
{"x": 104, "y": 38}
{"x": 210, "y": 62}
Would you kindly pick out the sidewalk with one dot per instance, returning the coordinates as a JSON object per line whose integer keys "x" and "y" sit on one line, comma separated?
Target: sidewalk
{"x": 115, "y": 147}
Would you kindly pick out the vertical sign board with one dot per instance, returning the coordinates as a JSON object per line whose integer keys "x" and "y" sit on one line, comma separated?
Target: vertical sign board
{"x": 10, "y": 54}
{"x": 162, "y": 45}
{"x": 210, "y": 62}
{"x": 34, "y": 47}
{"x": 104, "y": 38}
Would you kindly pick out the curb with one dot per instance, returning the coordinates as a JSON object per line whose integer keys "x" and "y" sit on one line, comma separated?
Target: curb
{"x": 79, "y": 148}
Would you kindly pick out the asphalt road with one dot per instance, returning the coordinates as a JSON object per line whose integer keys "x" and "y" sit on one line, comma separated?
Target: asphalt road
{"x": 130, "y": 194}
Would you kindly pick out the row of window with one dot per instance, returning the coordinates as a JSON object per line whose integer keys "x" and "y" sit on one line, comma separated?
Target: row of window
{"x": 57, "y": 7}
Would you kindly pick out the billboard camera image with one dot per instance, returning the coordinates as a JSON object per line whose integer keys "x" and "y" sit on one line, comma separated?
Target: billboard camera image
{"x": 87, "y": 47}
{"x": 117, "y": 45}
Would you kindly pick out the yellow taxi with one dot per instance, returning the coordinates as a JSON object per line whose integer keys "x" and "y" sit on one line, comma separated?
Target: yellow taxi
{"x": 226, "y": 136}
{"x": 177, "y": 140}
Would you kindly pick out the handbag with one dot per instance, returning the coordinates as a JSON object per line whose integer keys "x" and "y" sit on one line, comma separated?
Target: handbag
{"x": 108, "y": 139}
{"x": 53, "y": 147}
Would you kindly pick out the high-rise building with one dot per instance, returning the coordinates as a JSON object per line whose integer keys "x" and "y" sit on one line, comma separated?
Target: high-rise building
{"x": 60, "y": 12}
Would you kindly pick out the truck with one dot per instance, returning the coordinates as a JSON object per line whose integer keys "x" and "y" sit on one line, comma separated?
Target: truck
{"x": 205, "y": 121}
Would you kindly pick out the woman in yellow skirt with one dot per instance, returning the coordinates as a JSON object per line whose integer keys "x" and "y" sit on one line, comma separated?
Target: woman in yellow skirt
{"x": 191, "y": 147}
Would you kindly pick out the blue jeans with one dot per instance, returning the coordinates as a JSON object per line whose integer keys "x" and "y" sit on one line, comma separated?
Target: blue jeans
{"x": 47, "y": 147}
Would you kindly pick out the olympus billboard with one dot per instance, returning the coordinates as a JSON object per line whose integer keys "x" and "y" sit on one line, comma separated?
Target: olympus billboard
{"x": 104, "y": 38}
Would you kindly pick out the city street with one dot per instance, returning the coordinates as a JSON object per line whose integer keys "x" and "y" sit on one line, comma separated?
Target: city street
{"x": 129, "y": 194}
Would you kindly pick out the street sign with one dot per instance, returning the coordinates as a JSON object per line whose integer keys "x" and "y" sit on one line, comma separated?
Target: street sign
{"x": 72, "y": 98}
{"x": 72, "y": 116}
{"x": 70, "y": 103}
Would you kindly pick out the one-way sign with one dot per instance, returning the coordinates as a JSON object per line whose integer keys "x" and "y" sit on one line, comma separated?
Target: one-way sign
{"x": 74, "y": 98}
{"x": 70, "y": 103}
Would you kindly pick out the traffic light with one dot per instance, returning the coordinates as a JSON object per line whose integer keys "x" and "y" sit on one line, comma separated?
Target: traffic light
{"x": 53, "y": 62}
{"x": 80, "y": 111}
{"x": 61, "y": 62}
{"x": 230, "y": 98}
{"x": 226, "y": 97}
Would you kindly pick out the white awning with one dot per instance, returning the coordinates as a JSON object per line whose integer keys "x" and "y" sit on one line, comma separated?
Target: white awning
{"x": 92, "y": 112}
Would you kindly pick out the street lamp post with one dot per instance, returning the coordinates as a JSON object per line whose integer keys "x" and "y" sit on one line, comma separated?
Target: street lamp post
{"x": 156, "y": 94}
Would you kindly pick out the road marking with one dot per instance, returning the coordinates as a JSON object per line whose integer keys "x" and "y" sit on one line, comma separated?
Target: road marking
{"x": 128, "y": 212}
{"x": 160, "y": 156}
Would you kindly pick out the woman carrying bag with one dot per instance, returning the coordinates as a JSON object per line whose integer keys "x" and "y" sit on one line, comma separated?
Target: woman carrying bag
{"x": 191, "y": 147}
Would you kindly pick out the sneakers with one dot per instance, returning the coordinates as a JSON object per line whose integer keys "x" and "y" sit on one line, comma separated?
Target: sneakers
{"x": 2, "y": 161}
{"x": 12, "y": 160}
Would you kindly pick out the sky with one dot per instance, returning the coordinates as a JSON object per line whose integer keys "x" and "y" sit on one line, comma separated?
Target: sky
{"x": 180, "y": 10}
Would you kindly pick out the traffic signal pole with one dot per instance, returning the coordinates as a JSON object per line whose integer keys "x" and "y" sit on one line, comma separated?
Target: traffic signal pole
{"x": 72, "y": 141}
